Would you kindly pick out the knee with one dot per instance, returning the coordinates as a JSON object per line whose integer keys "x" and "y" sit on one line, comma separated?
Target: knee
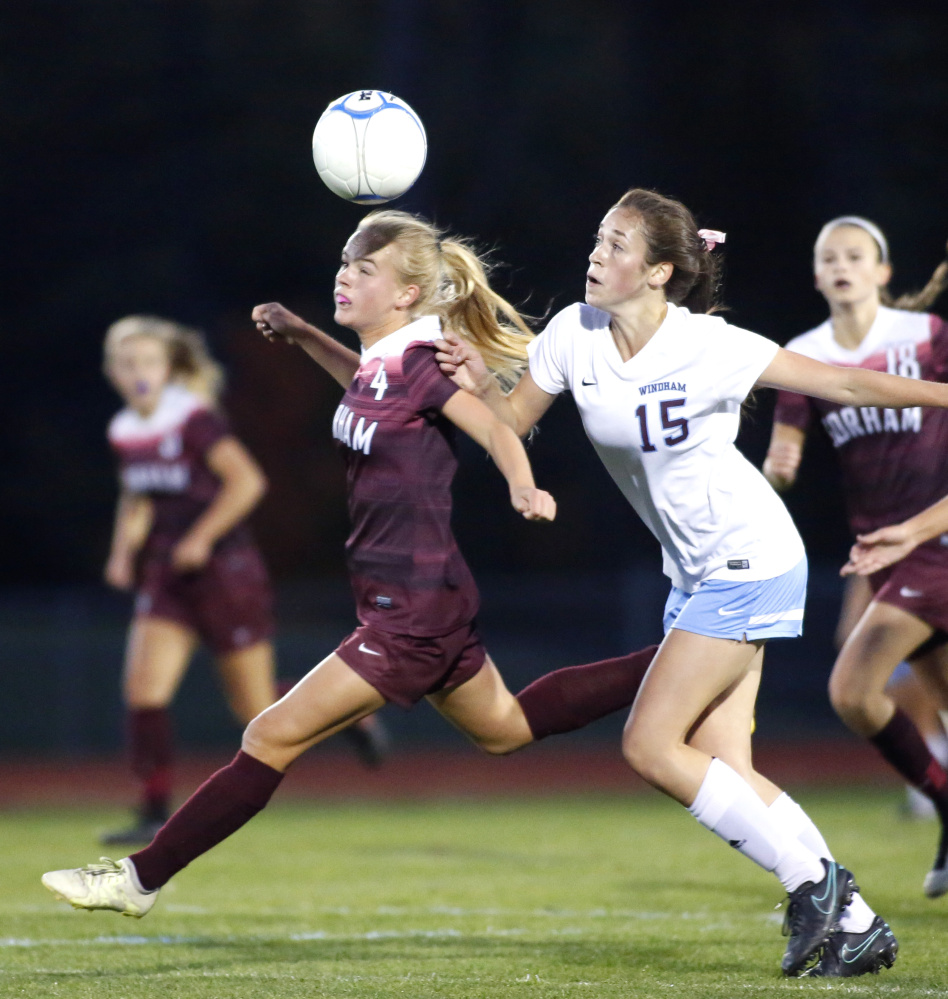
{"x": 502, "y": 744}
{"x": 642, "y": 756}
{"x": 259, "y": 738}
{"x": 849, "y": 699}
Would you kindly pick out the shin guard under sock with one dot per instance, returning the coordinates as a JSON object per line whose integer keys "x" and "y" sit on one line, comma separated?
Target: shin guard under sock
{"x": 220, "y": 806}
{"x": 150, "y": 742}
{"x": 570, "y": 698}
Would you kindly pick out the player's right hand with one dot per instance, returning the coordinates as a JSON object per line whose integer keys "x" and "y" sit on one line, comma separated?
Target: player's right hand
{"x": 462, "y": 363}
{"x": 781, "y": 464}
{"x": 276, "y": 322}
{"x": 880, "y": 549}
{"x": 533, "y": 503}
{"x": 120, "y": 573}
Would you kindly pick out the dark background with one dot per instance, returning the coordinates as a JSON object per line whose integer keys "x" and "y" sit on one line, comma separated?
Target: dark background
{"x": 156, "y": 159}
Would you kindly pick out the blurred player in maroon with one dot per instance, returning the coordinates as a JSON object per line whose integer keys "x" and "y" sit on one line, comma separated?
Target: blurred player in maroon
{"x": 892, "y": 469}
{"x": 181, "y": 541}
{"x": 399, "y": 285}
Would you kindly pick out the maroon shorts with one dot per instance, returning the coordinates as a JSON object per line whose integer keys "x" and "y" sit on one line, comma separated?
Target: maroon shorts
{"x": 404, "y": 669}
{"x": 228, "y": 603}
{"x": 918, "y": 584}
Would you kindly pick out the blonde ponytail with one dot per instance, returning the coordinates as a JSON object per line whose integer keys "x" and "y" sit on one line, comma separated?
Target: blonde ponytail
{"x": 191, "y": 362}
{"x": 453, "y": 284}
{"x": 475, "y": 311}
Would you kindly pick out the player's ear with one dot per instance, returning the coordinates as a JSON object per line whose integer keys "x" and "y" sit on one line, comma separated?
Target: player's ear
{"x": 660, "y": 274}
{"x": 883, "y": 275}
{"x": 407, "y": 296}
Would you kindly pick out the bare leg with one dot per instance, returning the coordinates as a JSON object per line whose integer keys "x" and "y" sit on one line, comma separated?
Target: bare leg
{"x": 248, "y": 677}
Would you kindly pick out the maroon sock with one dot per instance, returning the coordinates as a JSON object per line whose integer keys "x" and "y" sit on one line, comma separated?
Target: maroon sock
{"x": 150, "y": 741}
{"x": 219, "y": 807}
{"x": 572, "y": 697}
{"x": 903, "y": 746}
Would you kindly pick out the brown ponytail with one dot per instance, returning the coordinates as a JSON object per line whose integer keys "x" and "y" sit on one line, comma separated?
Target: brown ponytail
{"x": 920, "y": 301}
{"x": 671, "y": 236}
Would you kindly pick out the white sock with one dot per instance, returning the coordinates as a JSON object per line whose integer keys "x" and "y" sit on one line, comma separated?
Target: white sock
{"x": 857, "y": 917}
{"x": 728, "y": 806}
{"x": 938, "y": 746}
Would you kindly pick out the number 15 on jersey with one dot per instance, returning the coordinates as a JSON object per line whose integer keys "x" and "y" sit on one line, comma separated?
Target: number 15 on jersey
{"x": 678, "y": 425}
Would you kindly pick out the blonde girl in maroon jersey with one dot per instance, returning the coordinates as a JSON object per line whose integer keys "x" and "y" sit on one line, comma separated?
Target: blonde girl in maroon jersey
{"x": 399, "y": 286}
{"x": 891, "y": 469}
{"x": 181, "y": 542}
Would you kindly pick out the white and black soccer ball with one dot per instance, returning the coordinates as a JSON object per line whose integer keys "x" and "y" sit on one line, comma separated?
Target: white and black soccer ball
{"x": 369, "y": 147}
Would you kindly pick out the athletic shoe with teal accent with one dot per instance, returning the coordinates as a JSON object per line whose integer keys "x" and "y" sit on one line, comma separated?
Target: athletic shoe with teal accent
{"x": 105, "y": 885}
{"x": 850, "y": 954}
{"x": 936, "y": 880}
{"x": 813, "y": 915}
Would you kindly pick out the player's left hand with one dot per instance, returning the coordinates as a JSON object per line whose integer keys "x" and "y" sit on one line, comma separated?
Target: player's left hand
{"x": 881, "y": 548}
{"x": 190, "y": 554}
{"x": 533, "y": 503}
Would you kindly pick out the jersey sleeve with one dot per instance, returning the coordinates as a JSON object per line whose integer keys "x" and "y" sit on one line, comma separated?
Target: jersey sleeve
{"x": 204, "y": 429}
{"x": 548, "y": 360}
{"x": 793, "y": 409}
{"x": 428, "y": 386}
{"x": 939, "y": 341}
{"x": 739, "y": 359}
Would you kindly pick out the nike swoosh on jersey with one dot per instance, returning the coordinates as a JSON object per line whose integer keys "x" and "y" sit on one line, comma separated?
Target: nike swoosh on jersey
{"x": 371, "y": 652}
{"x": 851, "y": 954}
{"x": 726, "y": 613}
{"x": 906, "y": 592}
{"x": 589, "y": 381}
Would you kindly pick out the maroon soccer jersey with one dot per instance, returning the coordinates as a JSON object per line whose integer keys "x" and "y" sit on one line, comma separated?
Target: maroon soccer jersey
{"x": 893, "y": 460}
{"x": 407, "y": 572}
{"x": 164, "y": 456}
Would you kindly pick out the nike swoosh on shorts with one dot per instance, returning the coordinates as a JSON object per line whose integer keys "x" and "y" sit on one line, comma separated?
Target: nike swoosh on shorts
{"x": 725, "y": 613}
{"x": 371, "y": 652}
{"x": 906, "y": 592}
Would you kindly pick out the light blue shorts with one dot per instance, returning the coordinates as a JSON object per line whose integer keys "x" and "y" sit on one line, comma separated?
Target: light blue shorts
{"x": 719, "y": 608}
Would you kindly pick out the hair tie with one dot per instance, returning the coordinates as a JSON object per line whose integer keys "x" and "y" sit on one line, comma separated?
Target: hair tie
{"x": 712, "y": 237}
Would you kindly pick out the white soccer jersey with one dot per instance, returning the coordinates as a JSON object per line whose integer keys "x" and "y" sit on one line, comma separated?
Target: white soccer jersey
{"x": 664, "y": 424}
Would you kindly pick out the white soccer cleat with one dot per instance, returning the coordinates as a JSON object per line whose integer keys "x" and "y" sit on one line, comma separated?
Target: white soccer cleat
{"x": 936, "y": 882}
{"x": 105, "y": 885}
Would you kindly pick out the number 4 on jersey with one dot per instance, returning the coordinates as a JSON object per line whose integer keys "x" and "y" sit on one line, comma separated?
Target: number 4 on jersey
{"x": 379, "y": 382}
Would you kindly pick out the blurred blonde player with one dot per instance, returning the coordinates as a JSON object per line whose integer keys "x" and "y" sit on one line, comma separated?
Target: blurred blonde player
{"x": 182, "y": 543}
{"x": 892, "y": 469}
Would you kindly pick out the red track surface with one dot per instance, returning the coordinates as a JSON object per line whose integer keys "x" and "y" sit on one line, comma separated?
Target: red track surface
{"x": 432, "y": 774}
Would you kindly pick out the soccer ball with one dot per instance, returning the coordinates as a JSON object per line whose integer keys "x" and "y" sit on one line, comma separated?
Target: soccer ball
{"x": 369, "y": 147}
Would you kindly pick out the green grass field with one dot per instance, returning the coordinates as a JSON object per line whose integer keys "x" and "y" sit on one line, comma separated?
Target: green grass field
{"x": 582, "y": 896}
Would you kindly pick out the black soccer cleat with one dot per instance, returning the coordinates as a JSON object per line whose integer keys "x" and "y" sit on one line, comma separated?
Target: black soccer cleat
{"x": 850, "y": 954}
{"x": 370, "y": 739}
{"x": 147, "y": 822}
{"x": 813, "y": 915}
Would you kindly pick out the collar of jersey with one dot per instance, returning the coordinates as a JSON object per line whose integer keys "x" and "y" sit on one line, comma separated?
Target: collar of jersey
{"x": 176, "y": 404}
{"x": 877, "y": 335}
{"x": 422, "y": 330}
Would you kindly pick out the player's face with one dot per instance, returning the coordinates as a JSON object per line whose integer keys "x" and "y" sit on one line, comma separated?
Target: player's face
{"x": 617, "y": 269}
{"x": 369, "y": 293}
{"x": 847, "y": 266}
{"x": 140, "y": 369}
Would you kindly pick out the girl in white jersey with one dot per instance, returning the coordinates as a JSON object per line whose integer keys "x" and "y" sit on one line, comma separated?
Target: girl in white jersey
{"x": 891, "y": 475}
{"x": 659, "y": 385}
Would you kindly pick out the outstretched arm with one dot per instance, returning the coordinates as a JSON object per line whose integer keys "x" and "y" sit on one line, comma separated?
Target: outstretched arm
{"x": 783, "y": 456}
{"x": 850, "y": 386}
{"x": 520, "y": 410}
{"x": 891, "y": 544}
{"x": 276, "y": 322}
{"x": 503, "y": 445}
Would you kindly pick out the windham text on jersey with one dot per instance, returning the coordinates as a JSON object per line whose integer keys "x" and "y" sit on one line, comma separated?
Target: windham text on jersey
{"x": 662, "y": 387}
